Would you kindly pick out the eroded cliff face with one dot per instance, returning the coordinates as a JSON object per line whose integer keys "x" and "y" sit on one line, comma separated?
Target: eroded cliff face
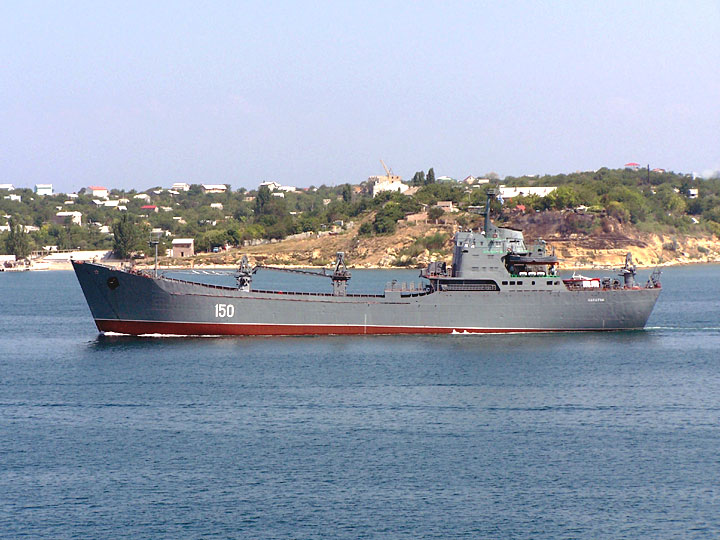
{"x": 586, "y": 240}
{"x": 580, "y": 240}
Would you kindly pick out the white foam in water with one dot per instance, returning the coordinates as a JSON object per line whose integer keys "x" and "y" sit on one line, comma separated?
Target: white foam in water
{"x": 164, "y": 335}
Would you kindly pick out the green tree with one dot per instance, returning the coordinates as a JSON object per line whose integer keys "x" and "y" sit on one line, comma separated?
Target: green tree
{"x": 262, "y": 200}
{"x": 347, "y": 193}
{"x": 430, "y": 178}
{"x": 418, "y": 179}
{"x": 127, "y": 237}
{"x": 435, "y": 212}
{"x": 18, "y": 241}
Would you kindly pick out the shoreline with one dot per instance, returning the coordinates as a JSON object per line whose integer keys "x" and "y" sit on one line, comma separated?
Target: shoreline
{"x": 66, "y": 266}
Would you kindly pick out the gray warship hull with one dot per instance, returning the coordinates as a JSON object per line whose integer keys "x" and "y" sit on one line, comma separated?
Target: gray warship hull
{"x": 134, "y": 303}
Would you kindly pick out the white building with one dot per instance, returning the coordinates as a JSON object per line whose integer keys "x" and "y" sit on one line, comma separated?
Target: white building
{"x": 180, "y": 186}
{"x": 142, "y": 196}
{"x": 44, "y": 189}
{"x": 13, "y": 197}
{"x": 272, "y": 186}
{"x": 510, "y": 192}
{"x": 75, "y": 217}
{"x": 217, "y": 205}
{"x": 112, "y": 204}
{"x": 214, "y": 188}
{"x": 7, "y": 187}
{"x": 98, "y": 191}
{"x": 389, "y": 185}
{"x": 693, "y": 193}
{"x": 475, "y": 181}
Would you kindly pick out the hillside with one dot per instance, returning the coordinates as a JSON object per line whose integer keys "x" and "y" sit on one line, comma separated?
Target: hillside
{"x": 588, "y": 216}
{"x": 602, "y": 241}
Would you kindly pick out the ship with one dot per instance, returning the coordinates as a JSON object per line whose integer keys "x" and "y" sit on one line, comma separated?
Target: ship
{"x": 494, "y": 284}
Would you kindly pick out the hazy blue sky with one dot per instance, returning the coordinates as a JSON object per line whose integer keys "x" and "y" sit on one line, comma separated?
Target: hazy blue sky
{"x": 138, "y": 94}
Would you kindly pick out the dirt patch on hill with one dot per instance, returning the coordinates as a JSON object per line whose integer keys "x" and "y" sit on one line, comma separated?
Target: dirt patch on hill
{"x": 580, "y": 240}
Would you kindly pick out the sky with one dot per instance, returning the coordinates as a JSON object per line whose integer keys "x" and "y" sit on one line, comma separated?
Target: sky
{"x": 140, "y": 94}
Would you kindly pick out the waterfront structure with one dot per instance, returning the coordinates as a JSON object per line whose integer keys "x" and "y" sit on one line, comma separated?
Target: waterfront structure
{"x": 182, "y": 247}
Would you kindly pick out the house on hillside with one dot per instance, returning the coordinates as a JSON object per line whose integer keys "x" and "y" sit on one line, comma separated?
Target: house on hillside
{"x": 7, "y": 187}
{"x": 447, "y": 206}
{"x": 149, "y": 208}
{"x": 180, "y": 186}
{"x": 182, "y": 247}
{"x": 389, "y": 185}
{"x": 214, "y": 188}
{"x": 272, "y": 186}
{"x": 98, "y": 191}
{"x": 525, "y": 191}
{"x": 142, "y": 196}
{"x": 44, "y": 189}
{"x": 73, "y": 217}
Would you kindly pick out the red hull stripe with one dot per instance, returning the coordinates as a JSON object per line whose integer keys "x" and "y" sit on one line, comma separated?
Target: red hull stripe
{"x": 228, "y": 329}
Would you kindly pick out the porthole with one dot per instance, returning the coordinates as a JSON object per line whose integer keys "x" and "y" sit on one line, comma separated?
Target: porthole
{"x": 113, "y": 283}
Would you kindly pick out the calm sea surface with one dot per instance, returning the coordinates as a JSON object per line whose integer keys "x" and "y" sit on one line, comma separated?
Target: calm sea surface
{"x": 513, "y": 436}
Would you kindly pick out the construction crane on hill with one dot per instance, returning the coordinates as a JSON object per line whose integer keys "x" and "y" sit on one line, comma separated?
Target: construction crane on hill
{"x": 390, "y": 175}
{"x": 388, "y": 172}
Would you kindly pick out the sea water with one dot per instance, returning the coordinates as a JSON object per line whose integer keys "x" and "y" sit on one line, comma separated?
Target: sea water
{"x": 582, "y": 435}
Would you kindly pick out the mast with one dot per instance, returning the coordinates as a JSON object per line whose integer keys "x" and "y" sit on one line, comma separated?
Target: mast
{"x": 492, "y": 193}
{"x": 154, "y": 241}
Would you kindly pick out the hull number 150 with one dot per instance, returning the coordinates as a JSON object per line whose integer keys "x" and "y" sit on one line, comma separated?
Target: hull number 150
{"x": 224, "y": 310}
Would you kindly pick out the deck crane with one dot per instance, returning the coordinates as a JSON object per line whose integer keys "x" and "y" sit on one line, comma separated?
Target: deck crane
{"x": 340, "y": 275}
